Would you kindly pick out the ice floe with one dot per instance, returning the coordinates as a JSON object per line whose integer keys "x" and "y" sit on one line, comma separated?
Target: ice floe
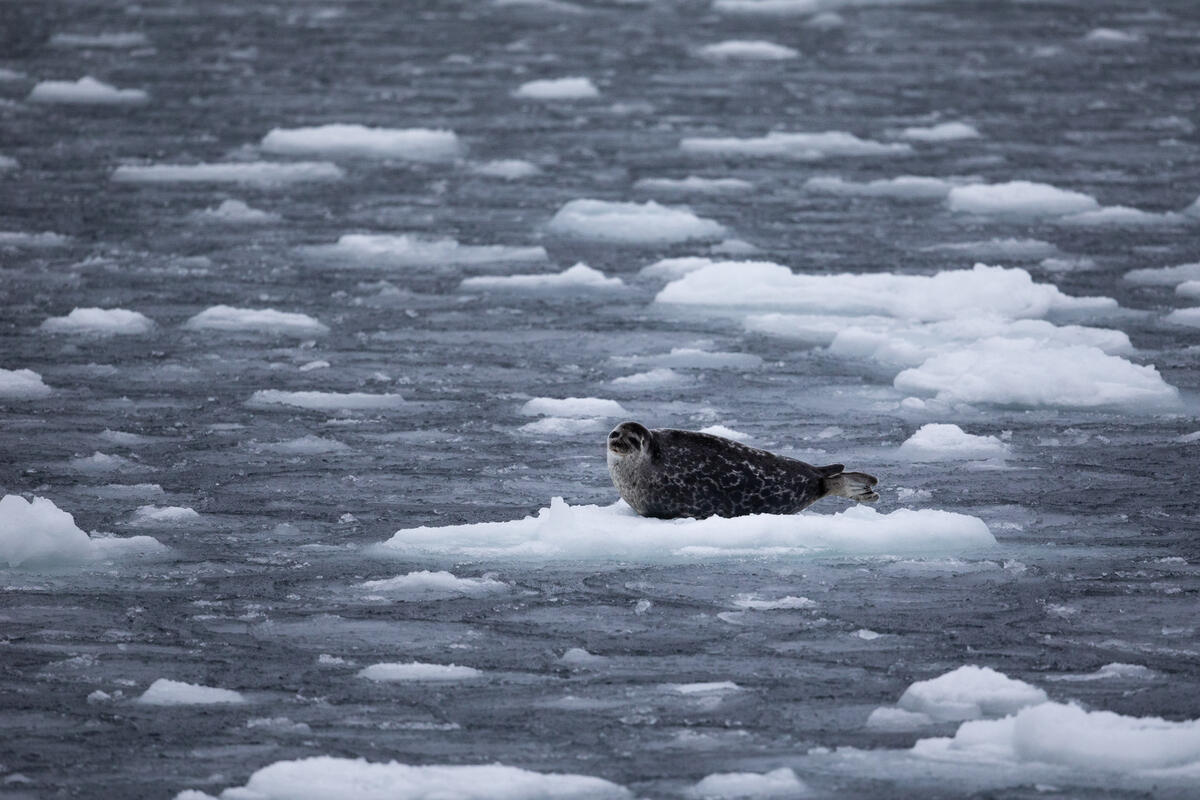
{"x": 30, "y": 239}
{"x": 1164, "y": 276}
{"x": 564, "y": 426}
{"x": 749, "y": 49}
{"x": 330, "y": 778}
{"x": 905, "y": 187}
{"x": 304, "y": 446}
{"x": 325, "y": 401}
{"x": 799, "y": 146}
{"x": 778, "y": 783}
{"x": 617, "y": 533}
{"x": 573, "y": 407}
{"x": 771, "y": 7}
{"x": 255, "y": 173}
{"x": 508, "y": 168}
{"x": 418, "y": 671}
{"x": 37, "y": 533}
{"x": 571, "y": 88}
{"x": 692, "y": 358}
{"x": 1110, "y": 36}
{"x": 238, "y": 212}
{"x": 1184, "y": 316}
{"x": 1001, "y": 248}
{"x": 1113, "y": 671}
{"x": 99, "y": 322}
{"x": 411, "y": 144}
{"x": 580, "y": 276}
{"x": 945, "y": 442}
{"x": 405, "y": 250}
{"x": 165, "y": 692}
{"x": 255, "y": 320}
{"x": 753, "y": 602}
{"x": 969, "y": 692}
{"x": 85, "y": 91}
{"x": 425, "y": 585}
{"x": 693, "y": 184}
{"x": 1188, "y": 289}
{"x": 112, "y": 41}
{"x": 164, "y": 515}
{"x": 22, "y": 384}
{"x": 942, "y": 132}
{"x": 1125, "y": 217}
{"x": 1019, "y": 199}
{"x": 650, "y": 379}
{"x": 631, "y": 223}
{"x": 7, "y": 163}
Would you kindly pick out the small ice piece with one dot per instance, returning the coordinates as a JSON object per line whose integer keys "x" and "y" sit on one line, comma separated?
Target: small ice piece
{"x": 404, "y": 250}
{"x": 660, "y": 376}
{"x": 798, "y": 146}
{"x": 255, "y": 320}
{"x": 642, "y": 606}
{"x": 99, "y": 322}
{"x": 1184, "y": 316}
{"x": 1110, "y": 36}
{"x": 1188, "y": 289}
{"x": 1114, "y": 671}
{"x": 279, "y": 725}
{"x": 305, "y": 446}
{"x": 1025, "y": 249}
{"x": 563, "y": 426}
{"x": 755, "y": 603}
{"x": 1019, "y": 199}
{"x": 164, "y": 515}
{"x": 411, "y": 144}
{"x": 111, "y": 41}
{"x": 578, "y": 658}
{"x": 572, "y": 88}
{"x": 779, "y": 783}
{"x": 575, "y": 407}
{"x": 631, "y": 223}
{"x": 703, "y": 687}
{"x": 327, "y": 778}
{"x": 1164, "y": 276}
{"x": 325, "y": 401}
{"x": 327, "y": 660}
{"x": 866, "y": 634}
{"x": 942, "y": 132}
{"x": 254, "y": 173}
{"x": 1124, "y": 217}
{"x": 693, "y": 183}
{"x": 98, "y": 463}
{"x": 237, "y": 212}
{"x": 164, "y": 692}
{"x": 726, "y": 433}
{"x": 826, "y": 21}
{"x": 7, "y": 163}
{"x": 969, "y": 692}
{"x": 27, "y": 239}
{"x": 99, "y": 696}
{"x": 733, "y": 247}
{"x": 22, "y": 384}
{"x": 905, "y": 187}
{"x": 510, "y": 169}
{"x": 85, "y": 91}
{"x": 942, "y": 442}
{"x": 39, "y": 532}
{"x": 770, "y": 8}
{"x": 897, "y": 720}
{"x": 578, "y": 277}
{"x": 674, "y": 268}
{"x": 425, "y": 584}
{"x": 751, "y": 50}
{"x": 418, "y": 671}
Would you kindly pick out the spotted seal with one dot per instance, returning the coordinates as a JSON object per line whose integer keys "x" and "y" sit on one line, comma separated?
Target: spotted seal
{"x": 668, "y": 473}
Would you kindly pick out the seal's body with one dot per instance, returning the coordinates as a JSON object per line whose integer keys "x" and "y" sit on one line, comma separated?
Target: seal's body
{"x": 669, "y": 473}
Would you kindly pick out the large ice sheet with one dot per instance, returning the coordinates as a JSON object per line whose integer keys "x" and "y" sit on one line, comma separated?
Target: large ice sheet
{"x": 340, "y": 139}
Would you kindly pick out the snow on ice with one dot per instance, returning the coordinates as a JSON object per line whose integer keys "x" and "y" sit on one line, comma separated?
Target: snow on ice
{"x": 631, "y": 223}
{"x": 255, "y": 320}
{"x": 412, "y": 144}
{"x": 85, "y": 91}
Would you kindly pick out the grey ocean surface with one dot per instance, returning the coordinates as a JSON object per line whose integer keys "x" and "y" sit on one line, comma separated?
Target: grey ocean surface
{"x": 1095, "y": 512}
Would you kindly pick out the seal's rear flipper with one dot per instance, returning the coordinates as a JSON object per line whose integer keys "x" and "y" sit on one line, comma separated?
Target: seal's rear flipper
{"x": 857, "y": 486}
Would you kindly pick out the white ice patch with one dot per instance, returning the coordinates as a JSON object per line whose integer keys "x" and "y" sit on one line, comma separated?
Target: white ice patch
{"x": 325, "y": 401}
{"x": 578, "y": 658}
{"x": 693, "y": 184}
{"x": 578, "y": 277}
{"x": 304, "y": 446}
{"x": 969, "y": 692}
{"x": 426, "y": 585}
{"x": 941, "y": 442}
{"x": 670, "y": 269}
{"x": 1019, "y": 199}
{"x": 563, "y": 426}
{"x": 726, "y": 433}
{"x": 779, "y": 783}
{"x": 237, "y": 212}
{"x": 1114, "y": 671}
{"x": 329, "y": 778}
{"x": 751, "y": 50}
{"x": 631, "y": 223}
{"x": 29, "y": 239}
{"x": 773, "y": 8}
{"x": 99, "y": 322}
{"x": 1124, "y": 217}
{"x": 99, "y": 463}
{"x": 340, "y": 140}
{"x": 255, "y": 320}
{"x": 692, "y": 358}
{"x": 1164, "y": 276}
{"x": 1188, "y": 289}
{"x": 8, "y": 162}
{"x": 650, "y": 379}
{"x": 799, "y": 146}
{"x": 38, "y": 533}
{"x": 253, "y": 173}
{"x": 22, "y": 384}
{"x": 164, "y": 692}
{"x": 575, "y": 407}
{"x": 418, "y": 671}
{"x": 616, "y": 532}
{"x": 510, "y": 169}
{"x": 1184, "y": 316}
{"x": 404, "y": 250}
{"x": 572, "y": 88}
{"x": 164, "y": 515}
{"x": 109, "y": 41}
{"x": 942, "y": 132}
{"x": 1110, "y": 36}
{"x": 753, "y": 602}
{"x": 85, "y": 91}
{"x": 1025, "y": 249}
{"x": 905, "y": 187}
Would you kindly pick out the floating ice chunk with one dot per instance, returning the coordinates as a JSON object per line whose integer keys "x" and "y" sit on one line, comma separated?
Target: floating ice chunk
{"x": 673, "y": 268}
{"x": 1110, "y": 36}
{"x": 22, "y": 384}
{"x": 693, "y": 358}
{"x": 99, "y": 322}
{"x": 114, "y": 41}
{"x": 425, "y": 584}
{"x": 770, "y": 7}
{"x": 1027, "y": 249}
{"x": 102, "y": 462}
{"x": 905, "y": 187}
{"x": 403, "y": 250}
{"x": 26, "y": 239}
{"x": 508, "y": 168}
{"x": 85, "y": 91}
{"x": 777, "y": 783}
{"x": 1010, "y": 293}
{"x": 575, "y": 88}
{"x": 755, "y": 603}
{"x": 752, "y": 50}
{"x": 941, "y": 442}
{"x": 418, "y": 671}
{"x": 279, "y": 725}
{"x": 1019, "y": 198}
{"x": 305, "y": 446}
{"x": 660, "y": 376}
{"x": 325, "y": 401}
{"x": 693, "y": 183}
{"x": 733, "y": 247}
{"x": 1124, "y": 217}
{"x": 563, "y": 426}
{"x": 800, "y": 146}
{"x": 969, "y": 692}
{"x": 726, "y": 433}
{"x": 580, "y": 276}
{"x": 39, "y": 533}
{"x": 942, "y": 132}
{"x": 866, "y": 635}
{"x": 7, "y": 163}
{"x": 703, "y": 687}
{"x": 616, "y": 532}
{"x": 631, "y": 223}
{"x": 164, "y": 515}
{"x": 1025, "y": 373}
{"x": 255, "y": 320}
{"x": 1112, "y": 671}
{"x": 573, "y": 407}
{"x": 329, "y": 778}
{"x": 255, "y": 173}
{"x": 578, "y": 658}
{"x": 896, "y": 720}
{"x": 826, "y": 21}
{"x": 412, "y": 144}
{"x": 1184, "y": 316}
{"x": 236, "y": 211}
{"x": 164, "y": 692}
{"x": 1188, "y": 289}
{"x": 1164, "y": 276}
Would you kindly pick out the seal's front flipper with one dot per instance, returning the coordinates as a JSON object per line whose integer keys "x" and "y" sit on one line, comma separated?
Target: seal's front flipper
{"x": 857, "y": 486}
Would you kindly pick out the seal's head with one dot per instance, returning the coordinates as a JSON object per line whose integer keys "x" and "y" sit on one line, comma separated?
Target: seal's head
{"x": 627, "y": 439}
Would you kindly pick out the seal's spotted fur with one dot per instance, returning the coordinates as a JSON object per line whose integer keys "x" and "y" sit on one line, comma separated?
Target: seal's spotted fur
{"x": 669, "y": 473}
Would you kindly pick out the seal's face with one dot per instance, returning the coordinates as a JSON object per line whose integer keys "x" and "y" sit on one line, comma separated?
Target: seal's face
{"x": 627, "y": 439}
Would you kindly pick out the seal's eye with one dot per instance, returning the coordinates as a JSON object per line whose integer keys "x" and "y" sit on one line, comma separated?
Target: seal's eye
{"x": 614, "y": 435}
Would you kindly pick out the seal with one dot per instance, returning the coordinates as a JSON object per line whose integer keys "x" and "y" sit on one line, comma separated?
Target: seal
{"x": 669, "y": 473}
